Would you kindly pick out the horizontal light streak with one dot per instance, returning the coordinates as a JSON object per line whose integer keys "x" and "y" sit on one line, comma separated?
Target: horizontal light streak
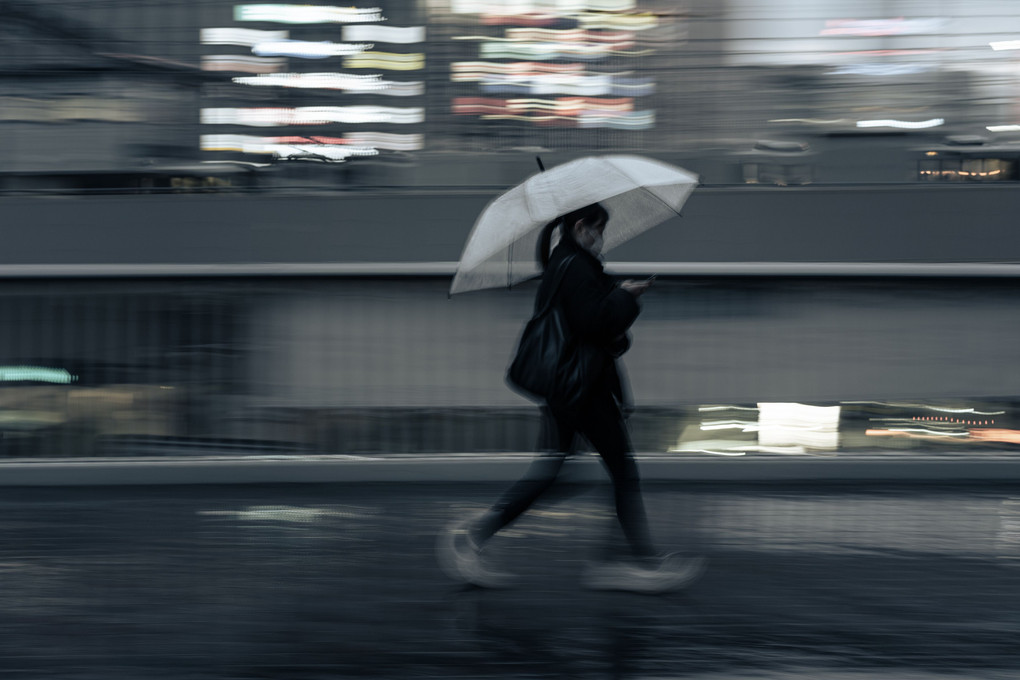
{"x": 961, "y": 173}
{"x": 307, "y": 14}
{"x": 328, "y": 152}
{"x": 587, "y": 20}
{"x": 947, "y": 420}
{"x": 928, "y": 407}
{"x": 880, "y": 70}
{"x": 404, "y": 35}
{"x": 563, "y": 106}
{"x": 387, "y": 140}
{"x": 471, "y": 71}
{"x": 549, "y": 50}
{"x": 352, "y": 140}
{"x": 637, "y": 120}
{"x": 742, "y": 425}
{"x": 914, "y": 430}
{"x": 576, "y": 40}
{"x": 535, "y": 19}
{"x": 565, "y": 84}
{"x": 881, "y": 27}
{"x": 245, "y": 37}
{"x": 311, "y": 115}
{"x": 303, "y": 49}
{"x": 1005, "y": 45}
{"x": 633, "y": 120}
{"x": 36, "y": 374}
{"x": 346, "y": 82}
{"x": 1003, "y": 128}
{"x": 242, "y": 64}
{"x": 633, "y": 22}
{"x": 902, "y": 124}
{"x": 388, "y": 61}
{"x": 811, "y": 121}
{"x": 991, "y": 434}
{"x": 556, "y": 8}
{"x": 567, "y": 35}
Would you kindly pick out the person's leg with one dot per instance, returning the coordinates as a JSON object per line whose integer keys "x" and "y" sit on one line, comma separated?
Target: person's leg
{"x": 603, "y": 426}
{"x": 555, "y": 443}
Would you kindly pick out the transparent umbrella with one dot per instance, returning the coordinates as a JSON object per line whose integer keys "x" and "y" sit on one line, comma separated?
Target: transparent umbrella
{"x": 638, "y": 192}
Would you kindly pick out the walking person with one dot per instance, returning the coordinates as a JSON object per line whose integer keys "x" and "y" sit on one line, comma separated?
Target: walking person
{"x": 599, "y": 313}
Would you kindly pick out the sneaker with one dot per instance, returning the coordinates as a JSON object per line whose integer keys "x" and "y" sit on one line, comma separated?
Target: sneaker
{"x": 670, "y": 573}
{"x": 458, "y": 555}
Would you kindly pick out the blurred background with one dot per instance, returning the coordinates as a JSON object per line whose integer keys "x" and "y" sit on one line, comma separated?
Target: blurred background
{"x": 228, "y": 232}
{"x": 231, "y": 227}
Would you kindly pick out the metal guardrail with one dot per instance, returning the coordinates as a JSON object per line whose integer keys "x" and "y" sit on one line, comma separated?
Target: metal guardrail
{"x": 448, "y": 269}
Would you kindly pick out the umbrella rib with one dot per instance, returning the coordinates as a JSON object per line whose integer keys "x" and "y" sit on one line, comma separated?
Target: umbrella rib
{"x": 659, "y": 199}
{"x": 644, "y": 188}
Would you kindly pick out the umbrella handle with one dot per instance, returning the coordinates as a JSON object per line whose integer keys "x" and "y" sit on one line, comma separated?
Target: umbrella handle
{"x": 538, "y": 159}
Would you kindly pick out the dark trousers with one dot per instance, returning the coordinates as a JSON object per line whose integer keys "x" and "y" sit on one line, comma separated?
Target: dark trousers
{"x": 602, "y": 424}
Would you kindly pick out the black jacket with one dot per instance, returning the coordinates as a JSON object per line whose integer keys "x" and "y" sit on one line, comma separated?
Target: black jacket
{"x": 597, "y": 309}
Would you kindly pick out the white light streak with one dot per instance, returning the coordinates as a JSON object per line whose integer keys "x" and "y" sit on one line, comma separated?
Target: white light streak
{"x": 346, "y": 82}
{"x": 940, "y": 409}
{"x": 906, "y": 125}
{"x": 1005, "y": 45}
{"x": 385, "y": 34}
{"x": 388, "y": 141}
{"x": 811, "y": 121}
{"x": 559, "y": 7}
{"x": 743, "y": 425}
{"x": 269, "y": 146}
{"x": 931, "y": 432}
{"x": 307, "y": 14}
{"x": 791, "y": 424}
{"x": 1003, "y": 128}
{"x": 312, "y": 115}
{"x": 353, "y": 140}
{"x": 245, "y": 37}
{"x": 308, "y": 50}
{"x": 881, "y": 69}
{"x": 880, "y": 27}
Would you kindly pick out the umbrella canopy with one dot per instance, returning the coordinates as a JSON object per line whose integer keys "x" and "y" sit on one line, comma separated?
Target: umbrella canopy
{"x": 638, "y": 193}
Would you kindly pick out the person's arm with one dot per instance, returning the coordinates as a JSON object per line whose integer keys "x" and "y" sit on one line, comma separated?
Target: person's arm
{"x": 591, "y": 312}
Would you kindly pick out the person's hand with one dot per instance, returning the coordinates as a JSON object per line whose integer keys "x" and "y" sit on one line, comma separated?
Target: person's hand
{"x": 636, "y": 288}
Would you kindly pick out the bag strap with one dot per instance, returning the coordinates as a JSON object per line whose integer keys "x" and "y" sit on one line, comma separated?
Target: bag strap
{"x": 558, "y": 275}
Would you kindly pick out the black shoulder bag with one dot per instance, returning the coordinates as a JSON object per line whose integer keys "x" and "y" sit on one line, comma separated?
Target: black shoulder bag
{"x": 551, "y": 365}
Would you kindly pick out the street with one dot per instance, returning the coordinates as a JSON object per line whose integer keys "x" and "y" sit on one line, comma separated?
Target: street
{"x": 311, "y": 581}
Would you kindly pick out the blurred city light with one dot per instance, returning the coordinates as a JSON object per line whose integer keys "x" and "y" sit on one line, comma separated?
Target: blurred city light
{"x": 901, "y": 124}
{"x": 35, "y": 374}
{"x": 303, "y": 49}
{"x": 312, "y": 115}
{"x": 307, "y": 14}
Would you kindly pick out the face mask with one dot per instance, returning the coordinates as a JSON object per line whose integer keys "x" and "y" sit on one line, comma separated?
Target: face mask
{"x": 596, "y": 245}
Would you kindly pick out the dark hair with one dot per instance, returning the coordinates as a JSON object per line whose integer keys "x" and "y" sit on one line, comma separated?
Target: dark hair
{"x": 589, "y": 214}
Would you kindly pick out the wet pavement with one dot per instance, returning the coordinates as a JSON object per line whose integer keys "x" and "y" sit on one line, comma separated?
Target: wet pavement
{"x": 311, "y": 581}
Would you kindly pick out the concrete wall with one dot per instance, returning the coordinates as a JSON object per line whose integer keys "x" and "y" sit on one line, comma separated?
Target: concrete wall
{"x": 905, "y": 223}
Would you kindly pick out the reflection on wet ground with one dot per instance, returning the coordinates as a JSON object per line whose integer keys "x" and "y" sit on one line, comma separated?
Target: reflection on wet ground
{"x": 326, "y": 581}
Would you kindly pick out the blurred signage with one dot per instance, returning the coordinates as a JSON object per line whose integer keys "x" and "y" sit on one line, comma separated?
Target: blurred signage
{"x": 354, "y": 67}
